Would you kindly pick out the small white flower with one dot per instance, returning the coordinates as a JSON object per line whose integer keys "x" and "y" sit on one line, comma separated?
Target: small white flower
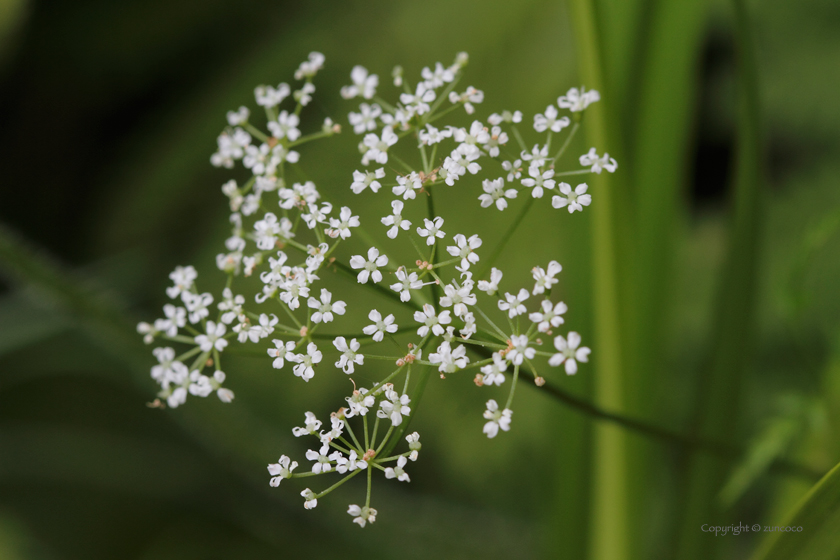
{"x": 461, "y": 160}
{"x": 394, "y": 407}
{"x": 308, "y": 68}
{"x": 267, "y": 96}
{"x": 213, "y": 338}
{"x": 168, "y": 370}
{"x": 497, "y": 419}
{"x": 304, "y": 362}
{"x": 317, "y": 214}
{"x": 267, "y": 230}
{"x": 419, "y": 101}
{"x": 310, "y": 497}
{"x": 197, "y": 305}
{"x": 497, "y": 139}
{"x": 432, "y": 230}
{"x": 349, "y": 464}
{"x": 359, "y": 403}
{"x": 414, "y": 444}
{"x": 598, "y": 163}
{"x": 304, "y": 94}
{"x": 406, "y": 283}
{"x": 432, "y": 135}
{"x": 506, "y": 116}
{"x": 408, "y": 186}
{"x": 361, "y": 181}
{"x": 231, "y": 305}
{"x": 349, "y": 357}
{"x": 199, "y": 384}
{"x": 465, "y": 249}
{"x": 148, "y": 332}
{"x": 365, "y": 119}
{"x": 280, "y": 470}
{"x": 537, "y": 157}
{"x": 520, "y": 350}
{"x": 377, "y": 148}
{"x": 396, "y": 220}
{"x": 231, "y": 147}
{"x": 450, "y": 360}
{"x": 370, "y": 267}
{"x": 225, "y": 395}
{"x": 363, "y": 515}
{"x": 491, "y": 287}
{"x": 551, "y": 315}
{"x": 550, "y": 121}
{"x": 264, "y": 327}
{"x": 337, "y": 425}
{"x": 495, "y": 193}
{"x": 573, "y": 199}
{"x": 514, "y": 169}
{"x": 300, "y": 195}
{"x": 340, "y": 227}
{"x": 364, "y": 84}
{"x": 285, "y": 126}
{"x": 431, "y": 321}
{"x": 311, "y": 426}
{"x": 568, "y": 351}
{"x": 183, "y": 277}
{"x": 513, "y": 304}
{"x": 470, "y": 327}
{"x": 577, "y": 101}
{"x": 545, "y": 279}
{"x": 398, "y": 472}
{"x": 459, "y": 298}
{"x": 282, "y": 352}
{"x": 539, "y": 180}
{"x": 437, "y": 78}
{"x": 176, "y": 317}
{"x": 322, "y": 460}
{"x": 470, "y": 96}
{"x": 325, "y": 308}
{"x": 235, "y": 118}
{"x": 380, "y": 326}
{"x": 477, "y": 135}
{"x": 494, "y": 374}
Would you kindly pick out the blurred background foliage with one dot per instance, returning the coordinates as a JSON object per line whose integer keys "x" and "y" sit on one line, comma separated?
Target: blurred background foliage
{"x": 109, "y": 113}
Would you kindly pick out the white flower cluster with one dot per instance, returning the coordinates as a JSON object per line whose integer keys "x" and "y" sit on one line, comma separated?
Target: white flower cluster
{"x": 285, "y": 235}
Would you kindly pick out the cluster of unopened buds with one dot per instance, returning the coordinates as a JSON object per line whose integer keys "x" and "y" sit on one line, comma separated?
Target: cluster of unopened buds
{"x": 450, "y": 306}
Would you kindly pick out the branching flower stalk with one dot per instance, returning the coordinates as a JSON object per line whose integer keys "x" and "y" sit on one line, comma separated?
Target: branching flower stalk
{"x": 287, "y": 236}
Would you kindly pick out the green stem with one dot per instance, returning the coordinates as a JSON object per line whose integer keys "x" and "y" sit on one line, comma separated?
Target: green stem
{"x": 610, "y": 514}
{"x": 505, "y": 238}
{"x": 567, "y": 142}
{"x": 337, "y": 484}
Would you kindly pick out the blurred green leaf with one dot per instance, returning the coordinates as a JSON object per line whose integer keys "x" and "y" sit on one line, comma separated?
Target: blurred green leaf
{"x": 718, "y": 403}
{"x": 22, "y": 323}
{"x": 798, "y": 415}
{"x": 819, "y": 516}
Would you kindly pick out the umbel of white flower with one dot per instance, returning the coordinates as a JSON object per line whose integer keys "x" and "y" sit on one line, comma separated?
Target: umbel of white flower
{"x": 443, "y": 303}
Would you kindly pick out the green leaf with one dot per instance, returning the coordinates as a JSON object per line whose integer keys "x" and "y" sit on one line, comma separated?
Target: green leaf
{"x": 22, "y": 323}
{"x": 771, "y": 443}
{"x": 819, "y": 516}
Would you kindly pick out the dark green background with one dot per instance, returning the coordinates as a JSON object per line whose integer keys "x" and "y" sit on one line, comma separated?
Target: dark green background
{"x": 109, "y": 112}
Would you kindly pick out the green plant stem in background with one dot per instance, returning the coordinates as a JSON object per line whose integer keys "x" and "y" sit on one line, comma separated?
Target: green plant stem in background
{"x": 491, "y": 260}
{"x": 675, "y": 439}
{"x": 818, "y": 514}
{"x": 609, "y": 519}
{"x": 658, "y": 114}
{"x": 717, "y": 415}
